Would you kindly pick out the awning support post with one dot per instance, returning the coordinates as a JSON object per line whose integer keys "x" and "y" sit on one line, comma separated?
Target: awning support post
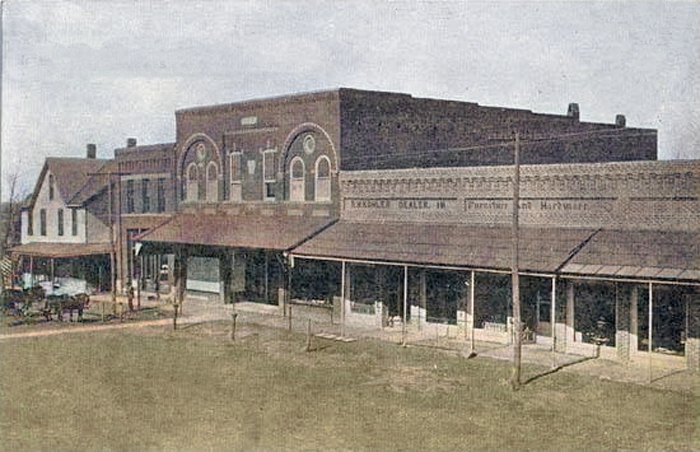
{"x": 553, "y": 322}
{"x": 472, "y": 320}
{"x": 342, "y": 300}
{"x": 651, "y": 323}
{"x": 405, "y": 305}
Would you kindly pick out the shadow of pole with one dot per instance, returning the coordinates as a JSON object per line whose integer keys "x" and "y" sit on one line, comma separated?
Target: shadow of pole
{"x": 558, "y": 368}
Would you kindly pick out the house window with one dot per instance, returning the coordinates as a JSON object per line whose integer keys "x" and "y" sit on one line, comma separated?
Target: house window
{"x": 30, "y": 222}
{"x": 235, "y": 172}
{"x": 52, "y": 186}
{"x": 74, "y": 221}
{"x": 296, "y": 180}
{"x": 60, "y": 222}
{"x": 42, "y": 222}
{"x": 145, "y": 199}
{"x": 192, "y": 187}
{"x": 212, "y": 182}
{"x": 161, "y": 195}
{"x": 130, "y": 196}
{"x": 323, "y": 179}
{"x": 269, "y": 175}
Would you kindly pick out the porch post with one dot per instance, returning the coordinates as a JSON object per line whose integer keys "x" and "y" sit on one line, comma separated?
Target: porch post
{"x": 622, "y": 325}
{"x": 405, "y": 304}
{"x": 651, "y": 323}
{"x": 471, "y": 320}
{"x": 423, "y": 308}
{"x": 342, "y": 299}
{"x": 553, "y": 322}
{"x": 692, "y": 331}
{"x": 634, "y": 319}
{"x": 570, "y": 327}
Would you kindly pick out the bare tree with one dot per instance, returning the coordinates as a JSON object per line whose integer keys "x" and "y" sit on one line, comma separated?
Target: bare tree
{"x": 10, "y": 221}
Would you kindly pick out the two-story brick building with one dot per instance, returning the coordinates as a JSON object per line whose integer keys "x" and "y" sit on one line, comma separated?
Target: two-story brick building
{"x": 401, "y": 204}
{"x": 262, "y": 174}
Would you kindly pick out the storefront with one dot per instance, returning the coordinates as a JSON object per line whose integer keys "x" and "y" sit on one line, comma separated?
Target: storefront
{"x": 608, "y": 254}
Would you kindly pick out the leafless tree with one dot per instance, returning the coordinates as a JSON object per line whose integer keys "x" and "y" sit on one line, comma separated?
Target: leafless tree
{"x": 10, "y": 216}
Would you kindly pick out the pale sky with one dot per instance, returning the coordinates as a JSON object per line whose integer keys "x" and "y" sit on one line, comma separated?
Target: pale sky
{"x": 88, "y": 71}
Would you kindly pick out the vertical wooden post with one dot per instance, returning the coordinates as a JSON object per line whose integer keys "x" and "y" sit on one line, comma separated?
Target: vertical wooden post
{"x": 471, "y": 324}
{"x": 308, "y": 336}
{"x": 342, "y": 299}
{"x": 553, "y": 322}
{"x": 651, "y": 325}
{"x": 517, "y": 327}
{"x": 175, "y": 306}
{"x": 233, "y": 326}
{"x": 405, "y": 305}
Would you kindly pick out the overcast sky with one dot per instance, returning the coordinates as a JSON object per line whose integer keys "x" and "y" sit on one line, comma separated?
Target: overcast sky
{"x": 78, "y": 72}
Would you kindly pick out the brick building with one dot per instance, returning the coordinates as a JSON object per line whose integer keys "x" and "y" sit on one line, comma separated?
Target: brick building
{"x": 402, "y": 206}
{"x": 610, "y": 251}
{"x": 256, "y": 178}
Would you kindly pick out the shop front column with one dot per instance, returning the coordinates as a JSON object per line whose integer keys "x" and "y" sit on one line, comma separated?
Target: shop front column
{"x": 692, "y": 340}
{"x": 622, "y": 326}
{"x": 570, "y": 332}
{"x": 634, "y": 319}
{"x": 470, "y": 314}
{"x": 180, "y": 273}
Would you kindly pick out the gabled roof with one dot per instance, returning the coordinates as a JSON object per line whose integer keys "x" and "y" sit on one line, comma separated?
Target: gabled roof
{"x": 72, "y": 175}
{"x": 96, "y": 183}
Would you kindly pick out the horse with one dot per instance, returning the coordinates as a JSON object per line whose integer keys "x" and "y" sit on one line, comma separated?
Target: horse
{"x": 12, "y": 299}
{"x": 19, "y": 302}
{"x": 58, "y": 304}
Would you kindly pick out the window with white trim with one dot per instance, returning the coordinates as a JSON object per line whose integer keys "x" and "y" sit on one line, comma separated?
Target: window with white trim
{"x": 52, "y": 186}
{"x": 42, "y": 222}
{"x": 269, "y": 175}
{"x": 212, "y": 182}
{"x": 323, "y": 179}
{"x": 296, "y": 180}
{"x": 192, "y": 184}
{"x": 74, "y": 221}
{"x": 235, "y": 172}
{"x": 59, "y": 222}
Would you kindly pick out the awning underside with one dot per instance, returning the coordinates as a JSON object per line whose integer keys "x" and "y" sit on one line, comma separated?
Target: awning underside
{"x": 61, "y": 250}
{"x": 628, "y": 254}
{"x": 639, "y": 254}
{"x": 542, "y": 250}
{"x": 274, "y": 232}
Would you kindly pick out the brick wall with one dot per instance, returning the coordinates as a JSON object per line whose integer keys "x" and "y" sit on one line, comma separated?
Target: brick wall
{"x": 653, "y": 195}
{"x": 389, "y": 130}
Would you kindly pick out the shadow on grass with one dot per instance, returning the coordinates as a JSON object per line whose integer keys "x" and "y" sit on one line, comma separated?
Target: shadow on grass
{"x": 558, "y": 368}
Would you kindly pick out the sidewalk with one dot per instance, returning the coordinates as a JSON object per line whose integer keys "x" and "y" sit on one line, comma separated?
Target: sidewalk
{"x": 662, "y": 372}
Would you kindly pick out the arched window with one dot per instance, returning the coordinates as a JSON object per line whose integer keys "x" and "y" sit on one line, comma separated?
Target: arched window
{"x": 296, "y": 180}
{"x": 323, "y": 179}
{"x": 192, "y": 185}
{"x": 212, "y": 182}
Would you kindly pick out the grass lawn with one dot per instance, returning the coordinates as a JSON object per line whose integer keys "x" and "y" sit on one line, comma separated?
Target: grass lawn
{"x": 191, "y": 390}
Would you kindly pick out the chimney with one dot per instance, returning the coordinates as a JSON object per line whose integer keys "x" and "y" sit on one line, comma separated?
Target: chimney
{"x": 620, "y": 121}
{"x": 91, "y": 151}
{"x": 573, "y": 111}
{"x": 131, "y": 142}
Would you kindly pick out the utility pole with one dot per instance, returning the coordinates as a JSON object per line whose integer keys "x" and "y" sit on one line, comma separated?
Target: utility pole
{"x": 517, "y": 326}
{"x": 113, "y": 251}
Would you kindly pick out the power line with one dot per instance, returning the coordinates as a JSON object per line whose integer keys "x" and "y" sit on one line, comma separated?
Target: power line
{"x": 506, "y": 143}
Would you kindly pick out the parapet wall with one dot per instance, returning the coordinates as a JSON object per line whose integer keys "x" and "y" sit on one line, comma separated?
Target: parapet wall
{"x": 644, "y": 195}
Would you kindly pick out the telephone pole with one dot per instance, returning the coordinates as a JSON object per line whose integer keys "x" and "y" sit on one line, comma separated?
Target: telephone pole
{"x": 517, "y": 324}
